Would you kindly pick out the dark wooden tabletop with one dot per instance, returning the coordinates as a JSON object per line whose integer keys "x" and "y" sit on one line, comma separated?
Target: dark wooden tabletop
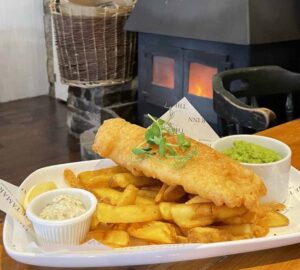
{"x": 34, "y": 134}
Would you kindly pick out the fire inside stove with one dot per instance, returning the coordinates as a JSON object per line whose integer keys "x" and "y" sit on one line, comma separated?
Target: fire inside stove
{"x": 163, "y": 71}
{"x": 199, "y": 78}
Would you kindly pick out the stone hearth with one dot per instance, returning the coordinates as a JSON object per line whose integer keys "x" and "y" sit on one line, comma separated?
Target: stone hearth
{"x": 89, "y": 107}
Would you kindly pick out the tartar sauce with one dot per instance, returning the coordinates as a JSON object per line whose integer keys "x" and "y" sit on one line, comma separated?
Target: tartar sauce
{"x": 62, "y": 207}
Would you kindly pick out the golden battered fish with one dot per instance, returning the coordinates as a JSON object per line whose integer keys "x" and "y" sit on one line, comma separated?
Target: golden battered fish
{"x": 210, "y": 174}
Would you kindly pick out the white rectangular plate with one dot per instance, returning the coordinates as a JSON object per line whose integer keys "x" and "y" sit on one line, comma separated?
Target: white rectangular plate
{"x": 15, "y": 245}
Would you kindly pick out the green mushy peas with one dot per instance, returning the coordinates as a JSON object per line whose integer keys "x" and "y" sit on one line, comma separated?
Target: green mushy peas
{"x": 251, "y": 153}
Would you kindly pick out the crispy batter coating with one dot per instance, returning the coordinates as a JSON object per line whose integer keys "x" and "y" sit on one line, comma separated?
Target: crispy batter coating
{"x": 210, "y": 174}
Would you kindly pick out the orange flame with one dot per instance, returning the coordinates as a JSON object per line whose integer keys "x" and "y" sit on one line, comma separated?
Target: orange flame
{"x": 163, "y": 71}
{"x": 200, "y": 80}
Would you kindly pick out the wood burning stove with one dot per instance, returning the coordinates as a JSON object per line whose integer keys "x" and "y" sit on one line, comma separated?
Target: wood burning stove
{"x": 183, "y": 44}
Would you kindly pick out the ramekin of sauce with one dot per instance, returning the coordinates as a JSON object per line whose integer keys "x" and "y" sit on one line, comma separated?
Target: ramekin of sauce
{"x": 267, "y": 157}
{"x": 62, "y": 216}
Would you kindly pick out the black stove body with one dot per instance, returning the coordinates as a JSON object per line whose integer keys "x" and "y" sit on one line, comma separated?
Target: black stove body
{"x": 182, "y": 44}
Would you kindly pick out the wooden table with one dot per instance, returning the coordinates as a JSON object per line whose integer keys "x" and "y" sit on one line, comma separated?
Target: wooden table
{"x": 274, "y": 259}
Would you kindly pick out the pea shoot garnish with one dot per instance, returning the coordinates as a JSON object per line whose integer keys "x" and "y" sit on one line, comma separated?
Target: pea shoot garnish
{"x": 161, "y": 139}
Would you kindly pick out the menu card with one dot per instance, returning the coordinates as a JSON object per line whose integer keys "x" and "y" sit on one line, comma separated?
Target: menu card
{"x": 185, "y": 118}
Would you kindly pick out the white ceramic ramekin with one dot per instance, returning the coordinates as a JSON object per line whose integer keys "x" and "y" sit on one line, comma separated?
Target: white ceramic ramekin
{"x": 69, "y": 231}
{"x": 275, "y": 174}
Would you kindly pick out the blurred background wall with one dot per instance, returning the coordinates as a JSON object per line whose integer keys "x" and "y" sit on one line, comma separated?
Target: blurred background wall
{"x": 23, "y": 69}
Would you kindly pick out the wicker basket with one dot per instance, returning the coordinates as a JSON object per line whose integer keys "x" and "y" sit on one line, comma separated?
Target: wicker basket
{"x": 92, "y": 47}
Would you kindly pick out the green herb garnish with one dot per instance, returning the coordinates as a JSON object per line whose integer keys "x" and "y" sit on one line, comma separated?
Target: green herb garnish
{"x": 182, "y": 142}
{"x": 156, "y": 138}
{"x": 144, "y": 151}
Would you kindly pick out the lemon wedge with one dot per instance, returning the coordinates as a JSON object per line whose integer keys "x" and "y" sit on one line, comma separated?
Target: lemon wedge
{"x": 37, "y": 190}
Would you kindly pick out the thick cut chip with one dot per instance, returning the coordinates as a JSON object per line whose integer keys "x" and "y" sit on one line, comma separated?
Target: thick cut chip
{"x": 116, "y": 239}
{"x": 247, "y": 218}
{"x": 128, "y": 196}
{"x": 95, "y": 234}
{"x": 71, "y": 179}
{"x": 165, "y": 210}
{"x": 94, "y": 222}
{"x": 272, "y": 206}
{"x": 155, "y": 232}
{"x": 120, "y": 226}
{"x": 107, "y": 195}
{"x": 124, "y": 179}
{"x": 112, "y": 238}
{"x": 149, "y": 194}
{"x": 260, "y": 231}
{"x": 96, "y": 181}
{"x": 224, "y": 212}
{"x": 239, "y": 229}
{"x": 181, "y": 239}
{"x": 274, "y": 219}
{"x": 192, "y": 215}
{"x": 197, "y": 199}
{"x": 208, "y": 235}
{"x": 109, "y": 170}
{"x": 127, "y": 214}
{"x": 112, "y": 196}
{"x": 86, "y": 176}
{"x": 245, "y": 230}
{"x": 159, "y": 196}
{"x": 173, "y": 194}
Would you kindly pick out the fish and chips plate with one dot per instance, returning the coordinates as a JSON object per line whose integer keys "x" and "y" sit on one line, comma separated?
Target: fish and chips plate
{"x": 162, "y": 197}
{"x": 18, "y": 244}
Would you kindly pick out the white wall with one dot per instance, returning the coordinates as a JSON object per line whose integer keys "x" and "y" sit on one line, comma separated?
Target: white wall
{"x": 22, "y": 50}
{"x": 61, "y": 90}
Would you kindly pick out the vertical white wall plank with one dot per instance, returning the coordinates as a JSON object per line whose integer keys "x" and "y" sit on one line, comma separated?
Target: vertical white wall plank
{"x": 61, "y": 90}
{"x": 22, "y": 50}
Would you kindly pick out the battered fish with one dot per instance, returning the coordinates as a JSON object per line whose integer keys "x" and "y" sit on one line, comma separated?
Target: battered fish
{"x": 210, "y": 174}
